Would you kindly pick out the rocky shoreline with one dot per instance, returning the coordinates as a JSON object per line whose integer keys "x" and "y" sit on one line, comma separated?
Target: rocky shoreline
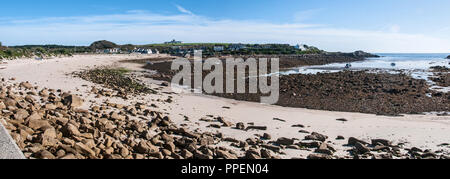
{"x": 348, "y": 91}
{"x": 289, "y": 61}
{"x": 92, "y": 121}
{"x": 442, "y": 76}
{"x": 48, "y": 124}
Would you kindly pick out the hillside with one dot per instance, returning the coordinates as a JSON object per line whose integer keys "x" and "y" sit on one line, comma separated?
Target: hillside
{"x": 102, "y": 44}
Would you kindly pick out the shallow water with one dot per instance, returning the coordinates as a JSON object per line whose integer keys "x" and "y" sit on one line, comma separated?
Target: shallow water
{"x": 410, "y": 62}
{"x": 415, "y": 65}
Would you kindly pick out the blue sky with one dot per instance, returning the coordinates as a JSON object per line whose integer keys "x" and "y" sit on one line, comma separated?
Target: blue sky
{"x": 334, "y": 25}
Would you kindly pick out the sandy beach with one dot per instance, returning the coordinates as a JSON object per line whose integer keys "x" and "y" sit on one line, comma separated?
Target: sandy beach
{"x": 422, "y": 131}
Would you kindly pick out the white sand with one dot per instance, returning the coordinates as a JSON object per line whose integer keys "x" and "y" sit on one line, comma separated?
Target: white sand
{"x": 423, "y": 131}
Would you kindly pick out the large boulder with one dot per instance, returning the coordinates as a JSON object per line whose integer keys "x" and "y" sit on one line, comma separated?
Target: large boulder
{"x": 361, "y": 148}
{"x": 72, "y": 101}
{"x": 316, "y": 137}
{"x": 285, "y": 141}
{"x": 364, "y": 54}
{"x": 448, "y": 57}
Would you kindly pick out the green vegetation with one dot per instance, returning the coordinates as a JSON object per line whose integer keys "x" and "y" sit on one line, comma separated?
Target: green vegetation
{"x": 186, "y": 44}
{"x": 232, "y": 49}
{"x": 121, "y": 70}
{"x": 42, "y": 51}
{"x": 179, "y": 49}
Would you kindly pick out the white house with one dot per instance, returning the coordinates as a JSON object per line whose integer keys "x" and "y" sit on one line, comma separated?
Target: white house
{"x": 142, "y": 51}
{"x": 112, "y": 50}
{"x": 301, "y": 47}
{"x": 147, "y": 51}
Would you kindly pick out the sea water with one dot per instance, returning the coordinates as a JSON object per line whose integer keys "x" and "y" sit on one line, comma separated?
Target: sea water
{"x": 416, "y": 65}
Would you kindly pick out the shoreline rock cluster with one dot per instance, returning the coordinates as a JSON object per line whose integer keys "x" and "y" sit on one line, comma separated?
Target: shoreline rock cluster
{"x": 50, "y": 124}
{"x": 116, "y": 80}
{"x": 286, "y": 61}
{"x": 441, "y": 76}
{"x": 347, "y": 91}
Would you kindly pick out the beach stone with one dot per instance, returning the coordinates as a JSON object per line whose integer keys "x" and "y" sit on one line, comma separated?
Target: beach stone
{"x": 37, "y": 123}
{"x": 380, "y": 148}
{"x": 146, "y": 147}
{"x": 186, "y": 154}
{"x": 225, "y": 154}
{"x": 240, "y": 126}
{"x": 271, "y": 147}
{"x": 252, "y": 155}
{"x": 82, "y": 148}
{"x": 316, "y": 136}
{"x": 263, "y": 128}
{"x": 352, "y": 141}
{"x": 285, "y": 141}
{"x": 60, "y": 153}
{"x": 69, "y": 157}
{"x": 30, "y": 99}
{"x": 267, "y": 136}
{"x": 381, "y": 141}
{"x": 71, "y": 130}
{"x": 2, "y": 105}
{"x": 266, "y": 154}
{"x": 361, "y": 148}
{"x": 342, "y": 120}
{"x": 311, "y": 144}
{"x": 10, "y": 102}
{"x": 49, "y": 137}
{"x": 46, "y": 155}
{"x": 224, "y": 122}
{"x": 26, "y": 85}
{"x": 124, "y": 152}
{"x": 50, "y": 106}
{"x": 304, "y": 132}
{"x": 429, "y": 155}
{"x": 44, "y": 93}
{"x": 170, "y": 146}
{"x": 164, "y": 84}
{"x": 319, "y": 157}
{"x": 117, "y": 117}
{"x": 214, "y": 126}
{"x": 299, "y": 125}
{"x": 324, "y": 149}
{"x": 73, "y": 101}
{"x": 233, "y": 140}
{"x": 21, "y": 114}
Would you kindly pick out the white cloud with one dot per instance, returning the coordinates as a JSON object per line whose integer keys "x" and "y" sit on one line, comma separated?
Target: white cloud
{"x": 183, "y": 10}
{"x": 142, "y": 27}
{"x": 394, "y": 28}
{"x": 305, "y": 15}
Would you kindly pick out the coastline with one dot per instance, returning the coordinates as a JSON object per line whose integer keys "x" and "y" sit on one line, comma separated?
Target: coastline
{"x": 424, "y": 131}
{"x": 348, "y": 90}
